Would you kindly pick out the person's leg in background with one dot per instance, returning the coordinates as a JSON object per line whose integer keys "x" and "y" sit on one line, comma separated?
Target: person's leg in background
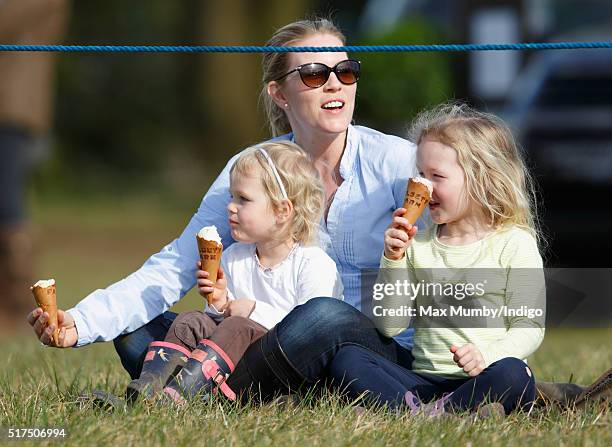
{"x": 26, "y": 91}
{"x": 15, "y": 236}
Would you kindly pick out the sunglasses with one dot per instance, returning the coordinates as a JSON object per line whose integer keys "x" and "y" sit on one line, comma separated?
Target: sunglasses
{"x": 316, "y": 74}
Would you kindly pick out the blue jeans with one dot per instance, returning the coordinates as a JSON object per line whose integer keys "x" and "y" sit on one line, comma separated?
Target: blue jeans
{"x": 508, "y": 381}
{"x": 311, "y": 335}
{"x": 299, "y": 349}
{"x": 132, "y": 347}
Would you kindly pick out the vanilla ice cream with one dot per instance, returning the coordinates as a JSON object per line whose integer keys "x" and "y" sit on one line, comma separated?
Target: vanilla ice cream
{"x": 44, "y": 283}
{"x": 210, "y": 233}
{"x": 425, "y": 182}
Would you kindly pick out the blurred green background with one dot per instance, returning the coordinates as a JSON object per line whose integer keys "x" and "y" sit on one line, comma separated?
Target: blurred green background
{"x": 168, "y": 123}
{"x": 137, "y": 139}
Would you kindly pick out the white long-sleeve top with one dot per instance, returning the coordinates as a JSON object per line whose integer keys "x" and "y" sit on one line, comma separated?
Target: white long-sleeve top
{"x": 307, "y": 272}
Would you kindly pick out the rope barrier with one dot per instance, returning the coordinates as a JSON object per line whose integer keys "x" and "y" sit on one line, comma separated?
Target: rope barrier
{"x": 264, "y": 49}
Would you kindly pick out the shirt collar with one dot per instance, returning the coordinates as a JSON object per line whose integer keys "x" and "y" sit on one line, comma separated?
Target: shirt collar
{"x": 275, "y": 267}
{"x": 350, "y": 152}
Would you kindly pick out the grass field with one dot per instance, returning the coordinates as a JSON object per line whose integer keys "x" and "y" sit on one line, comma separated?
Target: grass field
{"x": 88, "y": 246}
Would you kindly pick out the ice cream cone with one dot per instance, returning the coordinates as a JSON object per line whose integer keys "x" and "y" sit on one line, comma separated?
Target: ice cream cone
{"x": 210, "y": 255}
{"x": 46, "y": 298}
{"x": 417, "y": 198}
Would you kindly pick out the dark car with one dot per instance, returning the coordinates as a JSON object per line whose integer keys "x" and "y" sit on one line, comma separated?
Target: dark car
{"x": 561, "y": 111}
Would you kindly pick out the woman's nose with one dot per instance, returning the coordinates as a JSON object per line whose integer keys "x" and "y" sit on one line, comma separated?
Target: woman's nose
{"x": 332, "y": 83}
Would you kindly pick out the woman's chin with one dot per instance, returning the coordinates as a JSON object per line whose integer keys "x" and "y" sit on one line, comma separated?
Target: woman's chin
{"x": 335, "y": 124}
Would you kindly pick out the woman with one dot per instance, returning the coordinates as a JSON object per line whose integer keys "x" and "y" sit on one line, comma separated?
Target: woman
{"x": 309, "y": 99}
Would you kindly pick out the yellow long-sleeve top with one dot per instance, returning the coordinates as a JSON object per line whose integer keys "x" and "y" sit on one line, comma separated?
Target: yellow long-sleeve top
{"x": 507, "y": 265}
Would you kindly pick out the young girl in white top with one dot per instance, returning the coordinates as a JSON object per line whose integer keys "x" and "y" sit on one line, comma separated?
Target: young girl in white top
{"x": 276, "y": 206}
{"x": 484, "y": 234}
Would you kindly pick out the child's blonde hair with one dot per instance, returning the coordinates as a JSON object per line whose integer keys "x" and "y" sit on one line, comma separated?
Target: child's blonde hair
{"x": 299, "y": 177}
{"x": 495, "y": 172}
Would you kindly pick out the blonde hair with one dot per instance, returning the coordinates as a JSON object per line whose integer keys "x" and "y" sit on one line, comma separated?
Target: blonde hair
{"x": 300, "y": 179}
{"x": 495, "y": 172}
{"x": 274, "y": 65}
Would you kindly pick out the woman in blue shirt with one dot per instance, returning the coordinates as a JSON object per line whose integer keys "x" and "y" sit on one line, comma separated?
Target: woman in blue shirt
{"x": 309, "y": 98}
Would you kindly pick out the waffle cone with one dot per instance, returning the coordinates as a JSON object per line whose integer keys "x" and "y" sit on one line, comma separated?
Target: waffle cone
{"x": 46, "y": 298}
{"x": 417, "y": 198}
{"x": 210, "y": 255}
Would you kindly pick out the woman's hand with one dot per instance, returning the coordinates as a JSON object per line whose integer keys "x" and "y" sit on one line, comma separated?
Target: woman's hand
{"x": 469, "y": 358}
{"x": 398, "y": 235}
{"x": 68, "y": 335}
{"x": 239, "y": 308}
{"x": 218, "y": 289}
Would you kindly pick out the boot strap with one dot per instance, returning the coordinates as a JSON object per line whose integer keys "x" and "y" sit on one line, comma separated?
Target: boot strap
{"x": 219, "y": 378}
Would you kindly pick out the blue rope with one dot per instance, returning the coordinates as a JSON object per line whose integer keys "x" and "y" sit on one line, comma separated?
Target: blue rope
{"x": 263, "y": 49}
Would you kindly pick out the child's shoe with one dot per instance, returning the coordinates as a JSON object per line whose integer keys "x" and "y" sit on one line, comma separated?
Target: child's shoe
{"x": 564, "y": 394}
{"x": 432, "y": 410}
{"x": 493, "y": 410}
{"x": 206, "y": 370}
{"x": 162, "y": 361}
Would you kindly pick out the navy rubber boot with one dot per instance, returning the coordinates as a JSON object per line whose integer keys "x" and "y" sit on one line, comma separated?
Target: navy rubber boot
{"x": 162, "y": 361}
{"x": 205, "y": 372}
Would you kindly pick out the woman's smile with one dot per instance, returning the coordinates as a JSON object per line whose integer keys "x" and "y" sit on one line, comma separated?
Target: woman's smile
{"x": 333, "y": 105}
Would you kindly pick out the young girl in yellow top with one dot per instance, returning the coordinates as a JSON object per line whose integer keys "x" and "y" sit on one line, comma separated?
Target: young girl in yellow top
{"x": 484, "y": 234}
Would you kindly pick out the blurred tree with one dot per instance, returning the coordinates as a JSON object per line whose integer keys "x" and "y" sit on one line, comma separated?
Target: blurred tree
{"x": 119, "y": 115}
{"x": 395, "y": 86}
{"x": 145, "y": 120}
{"x": 229, "y": 84}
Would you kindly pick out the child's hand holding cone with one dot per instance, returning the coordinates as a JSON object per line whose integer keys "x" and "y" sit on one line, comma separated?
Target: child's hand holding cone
{"x": 398, "y": 235}
{"x": 214, "y": 292}
{"x": 402, "y": 229}
{"x": 210, "y": 249}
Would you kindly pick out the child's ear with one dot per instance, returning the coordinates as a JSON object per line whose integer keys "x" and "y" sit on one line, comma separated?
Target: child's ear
{"x": 284, "y": 211}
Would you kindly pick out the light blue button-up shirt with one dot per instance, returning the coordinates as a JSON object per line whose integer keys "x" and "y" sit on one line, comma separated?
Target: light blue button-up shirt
{"x": 375, "y": 169}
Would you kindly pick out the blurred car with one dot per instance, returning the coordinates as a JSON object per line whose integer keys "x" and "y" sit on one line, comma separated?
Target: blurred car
{"x": 560, "y": 108}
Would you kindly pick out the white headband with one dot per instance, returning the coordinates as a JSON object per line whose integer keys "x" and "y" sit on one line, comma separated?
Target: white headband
{"x": 276, "y": 175}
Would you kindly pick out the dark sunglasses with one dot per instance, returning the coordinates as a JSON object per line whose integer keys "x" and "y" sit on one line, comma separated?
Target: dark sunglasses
{"x": 316, "y": 74}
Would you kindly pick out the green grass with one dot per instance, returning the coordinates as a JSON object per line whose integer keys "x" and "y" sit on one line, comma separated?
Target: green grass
{"x": 89, "y": 246}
